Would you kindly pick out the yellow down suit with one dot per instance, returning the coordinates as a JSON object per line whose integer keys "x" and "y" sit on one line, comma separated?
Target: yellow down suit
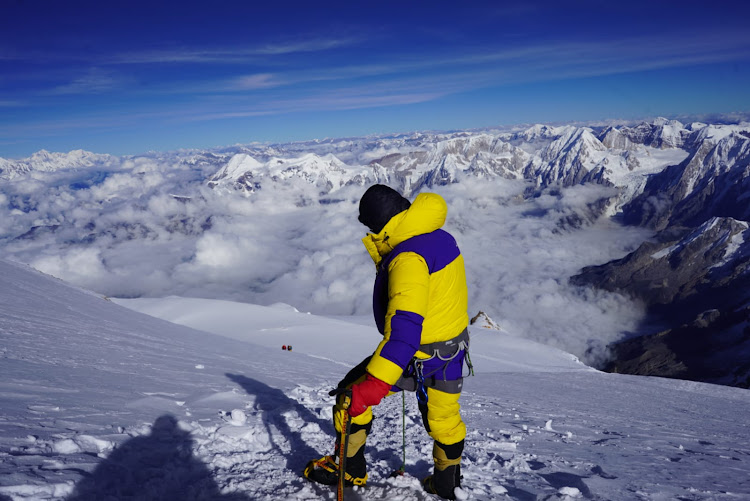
{"x": 420, "y": 306}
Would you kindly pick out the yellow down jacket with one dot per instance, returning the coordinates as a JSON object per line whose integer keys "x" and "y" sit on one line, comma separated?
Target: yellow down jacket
{"x": 420, "y": 293}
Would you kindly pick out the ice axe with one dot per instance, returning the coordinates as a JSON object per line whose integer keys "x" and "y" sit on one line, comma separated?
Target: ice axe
{"x": 345, "y": 394}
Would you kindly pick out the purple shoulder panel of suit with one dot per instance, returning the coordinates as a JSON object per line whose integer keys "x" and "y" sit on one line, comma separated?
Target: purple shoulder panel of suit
{"x": 438, "y": 249}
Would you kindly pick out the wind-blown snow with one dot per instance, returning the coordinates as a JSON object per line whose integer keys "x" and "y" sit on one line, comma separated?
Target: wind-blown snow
{"x": 100, "y": 402}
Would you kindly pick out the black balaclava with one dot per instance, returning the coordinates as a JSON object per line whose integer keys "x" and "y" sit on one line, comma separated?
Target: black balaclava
{"x": 378, "y": 205}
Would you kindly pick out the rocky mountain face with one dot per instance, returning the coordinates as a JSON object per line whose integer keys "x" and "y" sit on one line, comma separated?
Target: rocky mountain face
{"x": 696, "y": 284}
{"x": 575, "y": 157}
{"x": 684, "y": 271}
{"x": 694, "y": 276}
{"x": 714, "y": 348}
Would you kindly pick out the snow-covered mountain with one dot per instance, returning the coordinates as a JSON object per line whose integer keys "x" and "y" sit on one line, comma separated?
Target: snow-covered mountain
{"x": 713, "y": 181}
{"x": 101, "y": 402}
{"x": 543, "y": 156}
{"x": 573, "y": 158}
{"x": 660, "y": 133}
{"x": 327, "y": 173}
{"x": 483, "y": 156}
{"x": 44, "y": 161}
{"x": 694, "y": 277}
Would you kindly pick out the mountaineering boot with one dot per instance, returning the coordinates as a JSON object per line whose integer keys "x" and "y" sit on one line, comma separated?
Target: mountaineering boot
{"x": 447, "y": 474}
{"x": 326, "y": 469}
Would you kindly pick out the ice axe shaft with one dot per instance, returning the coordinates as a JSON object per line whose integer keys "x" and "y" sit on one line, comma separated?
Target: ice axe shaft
{"x": 346, "y": 425}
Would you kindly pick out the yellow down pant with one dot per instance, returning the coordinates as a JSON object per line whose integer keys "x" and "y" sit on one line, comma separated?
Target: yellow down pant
{"x": 443, "y": 417}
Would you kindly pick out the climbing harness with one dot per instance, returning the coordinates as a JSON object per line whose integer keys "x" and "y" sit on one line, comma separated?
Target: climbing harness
{"x": 447, "y": 351}
{"x": 416, "y": 379}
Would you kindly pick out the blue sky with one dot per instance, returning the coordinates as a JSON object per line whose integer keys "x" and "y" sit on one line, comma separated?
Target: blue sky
{"x": 125, "y": 77}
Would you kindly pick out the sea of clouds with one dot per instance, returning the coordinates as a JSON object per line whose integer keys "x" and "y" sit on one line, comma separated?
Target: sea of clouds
{"x": 151, "y": 227}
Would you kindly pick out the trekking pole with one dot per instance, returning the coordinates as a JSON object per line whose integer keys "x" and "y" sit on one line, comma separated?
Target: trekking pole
{"x": 403, "y": 428}
{"x": 346, "y": 425}
{"x": 400, "y": 471}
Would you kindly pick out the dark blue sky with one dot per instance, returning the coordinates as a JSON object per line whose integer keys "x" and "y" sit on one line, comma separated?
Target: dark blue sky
{"x": 125, "y": 77}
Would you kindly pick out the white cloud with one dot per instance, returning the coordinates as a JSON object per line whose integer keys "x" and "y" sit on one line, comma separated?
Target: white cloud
{"x": 93, "y": 81}
{"x": 128, "y": 236}
{"x": 252, "y": 82}
{"x": 518, "y": 263}
{"x": 230, "y": 55}
{"x": 81, "y": 266}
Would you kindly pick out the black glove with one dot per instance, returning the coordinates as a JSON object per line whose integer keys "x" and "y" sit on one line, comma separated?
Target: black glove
{"x": 343, "y": 397}
{"x": 359, "y": 371}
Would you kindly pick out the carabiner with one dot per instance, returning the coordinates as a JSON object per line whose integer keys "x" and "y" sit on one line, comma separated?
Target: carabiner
{"x": 421, "y": 390}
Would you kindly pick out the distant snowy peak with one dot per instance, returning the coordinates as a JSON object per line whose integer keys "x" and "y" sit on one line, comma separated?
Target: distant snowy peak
{"x": 574, "y": 158}
{"x": 625, "y": 157}
{"x": 247, "y": 174}
{"x": 614, "y": 138}
{"x": 239, "y": 173}
{"x": 573, "y": 143}
{"x": 482, "y": 155}
{"x": 666, "y": 134}
{"x": 44, "y": 161}
{"x": 661, "y": 133}
{"x": 539, "y": 132}
{"x": 713, "y": 181}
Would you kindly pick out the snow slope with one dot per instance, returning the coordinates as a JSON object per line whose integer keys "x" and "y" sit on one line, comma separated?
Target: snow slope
{"x": 100, "y": 402}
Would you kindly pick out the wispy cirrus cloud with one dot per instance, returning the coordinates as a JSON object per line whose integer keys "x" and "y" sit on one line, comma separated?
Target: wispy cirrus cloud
{"x": 93, "y": 81}
{"x": 522, "y": 64}
{"x": 254, "y": 82}
{"x": 527, "y": 62}
{"x": 275, "y": 86}
{"x": 607, "y": 57}
{"x": 333, "y": 101}
{"x": 229, "y": 55}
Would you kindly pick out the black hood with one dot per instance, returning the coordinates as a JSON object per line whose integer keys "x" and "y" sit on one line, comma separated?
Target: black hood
{"x": 378, "y": 205}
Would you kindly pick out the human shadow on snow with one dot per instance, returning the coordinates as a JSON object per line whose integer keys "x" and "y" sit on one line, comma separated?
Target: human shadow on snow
{"x": 560, "y": 479}
{"x": 272, "y": 403}
{"x": 156, "y": 466}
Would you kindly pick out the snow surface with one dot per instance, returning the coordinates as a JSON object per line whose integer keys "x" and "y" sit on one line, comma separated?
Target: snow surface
{"x": 101, "y": 402}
